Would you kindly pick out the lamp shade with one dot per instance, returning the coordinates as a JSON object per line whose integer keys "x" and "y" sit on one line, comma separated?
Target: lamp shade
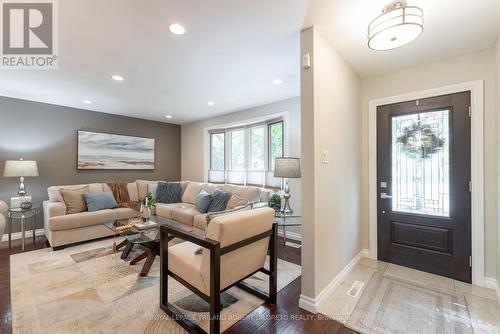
{"x": 18, "y": 168}
{"x": 287, "y": 168}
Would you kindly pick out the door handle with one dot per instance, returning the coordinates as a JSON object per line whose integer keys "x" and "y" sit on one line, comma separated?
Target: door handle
{"x": 385, "y": 196}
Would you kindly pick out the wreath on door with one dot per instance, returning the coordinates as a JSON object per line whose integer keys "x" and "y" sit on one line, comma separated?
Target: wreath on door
{"x": 420, "y": 141}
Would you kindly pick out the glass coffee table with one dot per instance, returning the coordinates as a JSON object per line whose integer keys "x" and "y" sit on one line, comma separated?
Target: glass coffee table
{"x": 148, "y": 238}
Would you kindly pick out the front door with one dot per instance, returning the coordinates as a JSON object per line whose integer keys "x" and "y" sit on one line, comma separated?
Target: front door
{"x": 424, "y": 173}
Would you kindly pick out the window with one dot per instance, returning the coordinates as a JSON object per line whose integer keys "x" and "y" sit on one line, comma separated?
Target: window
{"x": 238, "y": 150}
{"x": 246, "y": 154}
{"x": 275, "y": 142}
{"x": 257, "y": 148}
{"x": 217, "y": 148}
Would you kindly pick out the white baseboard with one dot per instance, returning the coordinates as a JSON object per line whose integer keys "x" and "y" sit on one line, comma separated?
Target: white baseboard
{"x": 27, "y": 234}
{"x": 491, "y": 283}
{"x": 291, "y": 235}
{"x": 313, "y": 304}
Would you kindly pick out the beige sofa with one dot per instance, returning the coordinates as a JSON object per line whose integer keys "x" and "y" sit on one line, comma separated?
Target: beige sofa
{"x": 63, "y": 229}
{"x": 3, "y": 218}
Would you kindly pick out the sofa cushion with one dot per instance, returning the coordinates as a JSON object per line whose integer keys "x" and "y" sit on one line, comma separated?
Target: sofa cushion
{"x": 200, "y": 221}
{"x": 73, "y": 198}
{"x": 82, "y": 219}
{"x": 168, "y": 192}
{"x": 142, "y": 187}
{"x": 55, "y": 194}
{"x": 203, "y": 202}
{"x": 185, "y": 214}
{"x": 252, "y": 194}
{"x": 99, "y": 201}
{"x": 236, "y": 201}
{"x": 165, "y": 209}
{"x": 220, "y": 198}
{"x": 125, "y": 213}
{"x": 191, "y": 193}
{"x": 183, "y": 261}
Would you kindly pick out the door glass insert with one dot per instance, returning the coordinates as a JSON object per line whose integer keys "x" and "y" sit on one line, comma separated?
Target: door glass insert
{"x": 421, "y": 163}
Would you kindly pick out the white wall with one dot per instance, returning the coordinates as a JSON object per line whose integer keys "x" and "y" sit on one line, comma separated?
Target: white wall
{"x": 193, "y": 137}
{"x": 331, "y": 205}
{"x": 477, "y": 66}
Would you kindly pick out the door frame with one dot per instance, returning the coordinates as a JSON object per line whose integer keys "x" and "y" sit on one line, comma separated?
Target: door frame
{"x": 477, "y": 166}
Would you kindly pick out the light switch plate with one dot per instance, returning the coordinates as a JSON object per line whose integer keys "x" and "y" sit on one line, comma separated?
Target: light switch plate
{"x": 324, "y": 157}
{"x": 306, "y": 61}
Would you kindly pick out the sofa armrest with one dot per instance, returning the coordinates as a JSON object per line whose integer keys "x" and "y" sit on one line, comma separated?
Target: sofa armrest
{"x": 3, "y": 208}
{"x": 52, "y": 209}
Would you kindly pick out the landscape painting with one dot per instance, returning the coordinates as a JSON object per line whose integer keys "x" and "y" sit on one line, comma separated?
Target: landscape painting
{"x": 109, "y": 151}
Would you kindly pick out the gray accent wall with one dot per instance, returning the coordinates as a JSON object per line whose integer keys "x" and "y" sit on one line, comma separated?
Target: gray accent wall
{"x": 48, "y": 134}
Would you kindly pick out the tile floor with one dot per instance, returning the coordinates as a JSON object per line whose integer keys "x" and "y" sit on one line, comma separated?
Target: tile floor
{"x": 482, "y": 303}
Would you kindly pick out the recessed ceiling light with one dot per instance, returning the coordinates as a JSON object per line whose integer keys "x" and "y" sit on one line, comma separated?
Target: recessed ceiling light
{"x": 177, "y": 29}
{"x": 168, "y": 116}
{"x": 87, "y": 101}
{"x": 277, "y": 82}
{"x": 211, "y": 103}
{"x": 117, "y": 77}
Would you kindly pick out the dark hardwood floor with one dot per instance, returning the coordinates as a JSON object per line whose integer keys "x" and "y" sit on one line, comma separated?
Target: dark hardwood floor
{"x": 284, "y": 317}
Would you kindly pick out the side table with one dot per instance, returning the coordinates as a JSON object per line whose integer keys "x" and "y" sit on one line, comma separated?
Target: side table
{"x": 287, "y": 220}
{"x": 22, "y": 215}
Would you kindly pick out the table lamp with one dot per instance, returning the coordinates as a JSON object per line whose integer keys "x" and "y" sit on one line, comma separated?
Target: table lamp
{"x": 287, "y": 168}
{"x": 20, "y": 168}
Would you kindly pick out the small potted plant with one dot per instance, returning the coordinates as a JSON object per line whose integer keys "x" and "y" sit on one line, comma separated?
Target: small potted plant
{"x": 147, "y": 203}
{"x": 275, "y": 202}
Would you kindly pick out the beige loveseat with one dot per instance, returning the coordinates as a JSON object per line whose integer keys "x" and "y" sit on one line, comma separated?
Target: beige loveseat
{"x": 64, "y": 229}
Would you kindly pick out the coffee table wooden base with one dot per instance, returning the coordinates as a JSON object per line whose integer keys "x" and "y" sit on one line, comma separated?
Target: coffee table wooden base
{"x": 150, "y": 254}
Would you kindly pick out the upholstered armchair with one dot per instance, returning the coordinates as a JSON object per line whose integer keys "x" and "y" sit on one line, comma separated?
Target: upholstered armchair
{"x": 3, "y": 218}
{"x": 234, "y": 248}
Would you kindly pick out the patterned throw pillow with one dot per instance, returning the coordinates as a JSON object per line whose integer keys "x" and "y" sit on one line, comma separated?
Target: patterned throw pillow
{"x": 219, "y": 200}
{"x": 168, "y": 192}
{"x": 203, "y": 202}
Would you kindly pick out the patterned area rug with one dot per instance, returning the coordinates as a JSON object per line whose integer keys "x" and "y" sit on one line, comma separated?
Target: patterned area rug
{"x": 395, "y": 306}
{"x": 89, "y": 289}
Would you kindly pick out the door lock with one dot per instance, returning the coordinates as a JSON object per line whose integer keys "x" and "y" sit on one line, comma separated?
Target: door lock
{"x": 385, "y": 196}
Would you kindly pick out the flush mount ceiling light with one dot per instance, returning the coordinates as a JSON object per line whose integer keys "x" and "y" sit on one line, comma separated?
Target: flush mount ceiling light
{"x": 211, "y": 103}
{"x": 87, "y": 101}
{"x": 177, "y": 29}
{"x": 277, "y": 82}
{"x": 398, "y": 25}
{"x": 168, "y": 116}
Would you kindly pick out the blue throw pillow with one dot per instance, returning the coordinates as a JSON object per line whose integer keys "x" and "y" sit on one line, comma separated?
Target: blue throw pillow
{"x": 219, "y": 200}
{"x": 168, "y": 192}
{"x": 203, "y": 202}
{"x": 100, "y": 201}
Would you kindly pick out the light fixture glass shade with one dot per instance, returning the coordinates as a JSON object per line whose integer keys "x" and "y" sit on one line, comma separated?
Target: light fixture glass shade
{"x": 18, "y": 168}
{"x": 287, "y": 168}
{"x": 398, "y": 25}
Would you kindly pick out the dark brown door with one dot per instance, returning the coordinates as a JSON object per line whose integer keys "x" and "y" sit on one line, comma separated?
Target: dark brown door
{"x": 424, "y": 173}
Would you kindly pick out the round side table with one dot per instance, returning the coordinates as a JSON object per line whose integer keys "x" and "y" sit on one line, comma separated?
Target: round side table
{"x": 22, "y": 215}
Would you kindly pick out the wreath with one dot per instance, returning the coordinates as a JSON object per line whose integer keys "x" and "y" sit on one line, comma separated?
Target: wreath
{"x": 420, "y": 141}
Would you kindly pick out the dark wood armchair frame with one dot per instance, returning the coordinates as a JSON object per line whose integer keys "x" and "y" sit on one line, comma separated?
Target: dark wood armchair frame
{"x": 215, "y": 291}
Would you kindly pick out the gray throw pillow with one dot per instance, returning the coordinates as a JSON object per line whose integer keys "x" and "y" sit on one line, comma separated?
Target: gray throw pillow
{"x": 168, "y": 192}
{"x": 203, "y": 202}
{"x": 152, "y": 187}
{"x": 219, "y": 200}
{"x": 100, "y": 201}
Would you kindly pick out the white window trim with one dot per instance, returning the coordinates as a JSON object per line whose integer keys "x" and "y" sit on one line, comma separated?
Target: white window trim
{"x": 284, "y": 115}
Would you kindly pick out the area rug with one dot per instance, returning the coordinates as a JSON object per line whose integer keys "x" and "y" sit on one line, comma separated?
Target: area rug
{"x": 89, "y": 289}
{"x": 395, "y": 306}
